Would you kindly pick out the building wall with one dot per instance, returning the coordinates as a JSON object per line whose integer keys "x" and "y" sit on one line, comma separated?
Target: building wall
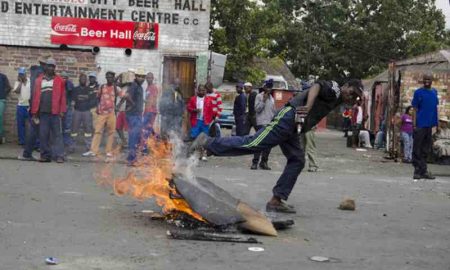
{"x": 11, "y": 58}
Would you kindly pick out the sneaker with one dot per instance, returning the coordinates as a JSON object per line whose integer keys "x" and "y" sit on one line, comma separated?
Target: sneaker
{"x": 23, "y": 158}
{"x": 200, "y": 142}
{"x": 264, "y": 166}
{"x": 204, "y": 158}
{"x": 109, "y": 155}
{"x": 254, "y": 166}
{"x": 89, "y": 154}
{"x": 280, "y": 208}
{"x": 314, "y": 169}
{"x": 428, "y": 176}
{"x": 59, "y": 160}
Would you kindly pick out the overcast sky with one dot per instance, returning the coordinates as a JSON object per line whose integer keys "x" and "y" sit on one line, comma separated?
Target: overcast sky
{"x": 445, "y": 6}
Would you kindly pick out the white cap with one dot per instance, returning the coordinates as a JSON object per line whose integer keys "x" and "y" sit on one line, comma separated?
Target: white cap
{"x": 248, "y": 84}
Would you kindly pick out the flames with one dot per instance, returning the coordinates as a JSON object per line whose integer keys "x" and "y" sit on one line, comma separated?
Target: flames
{"x": 150, "y": 179}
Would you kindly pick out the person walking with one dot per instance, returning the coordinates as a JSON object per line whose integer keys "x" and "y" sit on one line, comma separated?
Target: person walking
{"x": 407, "y": 129}
{"x": 264, "y": 107}
{"x": 322, "y": 98}
{"x": 5, "y": 88}
{"x": 82, "y": 116}
{"x": 105, "y": 116}
{"x": 134, "y": 108}
{"x": 239, "y": 108}
{"x": 48, "y": 108}
{"x": 22, "y": 88}
{"x": 151, "y": 107}
{"x": 425, "y": 102}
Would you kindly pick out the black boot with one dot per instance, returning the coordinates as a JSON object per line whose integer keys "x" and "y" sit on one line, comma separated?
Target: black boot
{"x": 254, "y": 166}
{"x": 263, "y": 166}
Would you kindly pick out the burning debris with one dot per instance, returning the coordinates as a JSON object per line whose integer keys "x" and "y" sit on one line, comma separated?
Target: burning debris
{"x": 189, "y": 201}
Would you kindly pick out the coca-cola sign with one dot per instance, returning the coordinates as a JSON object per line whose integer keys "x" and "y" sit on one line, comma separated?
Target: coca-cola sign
{"x": 104, "y": 33}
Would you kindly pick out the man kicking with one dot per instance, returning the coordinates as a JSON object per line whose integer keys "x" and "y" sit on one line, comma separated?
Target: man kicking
{"x": 311, "y": 106}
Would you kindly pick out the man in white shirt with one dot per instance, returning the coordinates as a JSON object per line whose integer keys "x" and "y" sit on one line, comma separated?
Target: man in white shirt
{"x": 22, "y": 88}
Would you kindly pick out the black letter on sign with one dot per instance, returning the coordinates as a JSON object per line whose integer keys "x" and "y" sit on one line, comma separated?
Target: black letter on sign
{"x": 5, "y": 6}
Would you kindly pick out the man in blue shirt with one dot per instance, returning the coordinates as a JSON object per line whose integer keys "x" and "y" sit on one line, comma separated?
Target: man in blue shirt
{"x": 425, "y": 102}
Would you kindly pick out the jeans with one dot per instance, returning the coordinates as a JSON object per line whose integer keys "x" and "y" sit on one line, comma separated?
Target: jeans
{"x": 50, "y": 129}
{"x": 2, "y": 112}
{"x": 22, "y": 117}
{"x": 32, "y": 139}
{"x": 67, "y": 127}
{"x": 281, "y": 131}
{"x": 421, "y": 148}
{"x": 147, "y": 123}
{"x": 407, "y": 145}
{"x": 134, "y": 135}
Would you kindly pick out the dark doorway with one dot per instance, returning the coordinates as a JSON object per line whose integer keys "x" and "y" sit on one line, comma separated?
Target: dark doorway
{"x": 183, "y": 69}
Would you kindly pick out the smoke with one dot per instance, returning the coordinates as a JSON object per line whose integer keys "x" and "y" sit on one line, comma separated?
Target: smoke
{"x": 183, "y": 165}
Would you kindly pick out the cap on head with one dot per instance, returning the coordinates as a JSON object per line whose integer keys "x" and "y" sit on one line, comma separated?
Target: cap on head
{"x": 248, "y": 84}
{"x": 51, "y": 61}
{"x": 22, "y": 71}
{"x": 92, "y": 74}
{"x": 140, "y": 72}
{"x": 268, "y": 83}
{"x": 64, "y": 74}
{"x": 241, "y": 85}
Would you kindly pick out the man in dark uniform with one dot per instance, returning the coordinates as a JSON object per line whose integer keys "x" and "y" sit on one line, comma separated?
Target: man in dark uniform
{"x": 312, "y": 106}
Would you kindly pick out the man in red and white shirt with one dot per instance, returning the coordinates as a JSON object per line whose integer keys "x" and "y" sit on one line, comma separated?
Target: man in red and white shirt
{"x": 106, "y": 116}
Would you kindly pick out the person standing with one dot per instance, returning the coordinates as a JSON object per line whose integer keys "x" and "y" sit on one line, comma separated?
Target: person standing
{"x": 32, "y": 138}
{"x": 250, "y": 113}
{"x": 48, "y": 108}
{"x": 124, "y": 81}
{"x": 217, "y": 103}
{"x": 357, "y": 118}
{"x": 5, "y": 88}
{"x": 347, "y": 121}
{"x": 22, "y": 88}
{"x": 135, "y": 105}
{"x": 322, "y": 98}
{"x": 200, "y": 108}
{"x": 425, "y": 102}
{"x": 171, "y": 108}
{"x": 240, "y": 104}
{"x": 82, "y": 116}
{"x": 106, "y": 116}
{"x": 407, "y": 134}
{"x": 309, "y": 143}
{"x": 151, "y": 107}
{"x": 265, "y": 110}
{"x": 67, "y": 119}
{"x": 94, "y": 88}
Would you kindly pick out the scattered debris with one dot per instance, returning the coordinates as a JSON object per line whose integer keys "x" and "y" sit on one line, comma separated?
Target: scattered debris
{"x": 361, "y": 150}
{"x": 208, "y": 236}
{"x": 282, "y": 224}
{"x": 319, "y": 259}
{"x": 256, "y": 249}
{"x": 51, "y": 261}
{"x": 384, "y": 215}
{"x": 347, "y": 204}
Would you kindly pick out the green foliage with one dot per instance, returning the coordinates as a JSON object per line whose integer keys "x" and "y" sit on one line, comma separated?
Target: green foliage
{"x": 328, "y": 38}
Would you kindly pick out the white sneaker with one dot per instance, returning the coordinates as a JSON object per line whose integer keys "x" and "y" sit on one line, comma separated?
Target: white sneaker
{"x": 204, "y": 158}
{"x": 109, "y": 155}
{"x": 89, "y": 154}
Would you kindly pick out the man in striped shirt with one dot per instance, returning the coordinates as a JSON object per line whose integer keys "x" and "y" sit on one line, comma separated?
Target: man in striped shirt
{"x": 216, "y": 99}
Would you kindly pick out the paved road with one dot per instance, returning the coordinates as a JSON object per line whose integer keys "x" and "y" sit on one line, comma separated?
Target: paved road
{"x": 59, "y": 210}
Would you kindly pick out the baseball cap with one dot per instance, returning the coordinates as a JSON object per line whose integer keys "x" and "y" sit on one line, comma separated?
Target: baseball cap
{"x": 241, "y": 85}
{"x": 50, "y": 61}
{"x": 268, "y": 83}
{"x": 248, "y": 84}
{"x": 92, "y": 74}
{"x": 22, "y": 70}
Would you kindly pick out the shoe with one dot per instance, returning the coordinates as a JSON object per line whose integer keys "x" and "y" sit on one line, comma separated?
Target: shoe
{"x": 313, "y": 169}
{"x": 45, "y": 160}
{"x": 23, "y": 158}
{"x": 406, "y": 161}
{"x": 417, "y": 176}
{"x": 264, "y": 166}
{"x": 109, "y": 155}
{"x": 280, "y": 208}
{"x": 200, "y": 142}
{"x": 254, "y": 166}
{"x": 204, "y": 158}
{"x": 428, "y": 176}
{"x": 89, "y": 154}
{"x": 59, "y": 160}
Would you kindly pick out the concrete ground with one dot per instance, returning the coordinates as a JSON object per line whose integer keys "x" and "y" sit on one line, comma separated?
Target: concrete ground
{"x": 59, "y": 210}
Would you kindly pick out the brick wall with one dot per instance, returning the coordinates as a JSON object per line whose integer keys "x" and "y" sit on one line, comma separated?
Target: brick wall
{"x": 11, "y": 58}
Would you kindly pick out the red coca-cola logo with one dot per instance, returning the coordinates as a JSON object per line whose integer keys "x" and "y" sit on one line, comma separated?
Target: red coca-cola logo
{"x": 144, "y": 36}
{"x": 65, "y": 28}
